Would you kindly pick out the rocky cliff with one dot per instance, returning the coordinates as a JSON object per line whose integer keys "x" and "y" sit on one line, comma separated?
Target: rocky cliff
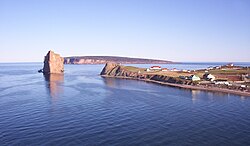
{"x": 112, "y": 69}
{"x": 53, "y": 63}
{"x": 105, "y": 59}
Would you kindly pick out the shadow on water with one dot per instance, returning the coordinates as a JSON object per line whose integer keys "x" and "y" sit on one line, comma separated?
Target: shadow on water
{"x": 54, "y": 84}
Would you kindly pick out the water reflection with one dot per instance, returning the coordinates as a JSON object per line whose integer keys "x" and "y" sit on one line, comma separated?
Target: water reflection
{"x": 110, "y": 82}
{"x": 54, "y": 81}
{"x": 195, "y": 95}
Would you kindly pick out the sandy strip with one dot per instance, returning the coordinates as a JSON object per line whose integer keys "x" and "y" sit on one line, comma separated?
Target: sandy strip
{"x": 213, "y": 89}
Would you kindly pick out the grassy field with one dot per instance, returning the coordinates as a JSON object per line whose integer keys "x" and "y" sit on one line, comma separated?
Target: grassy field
{"x": 229, "y": 74}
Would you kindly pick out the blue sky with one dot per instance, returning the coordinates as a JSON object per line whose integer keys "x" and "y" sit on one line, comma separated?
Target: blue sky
{"x": 177, "y": 30}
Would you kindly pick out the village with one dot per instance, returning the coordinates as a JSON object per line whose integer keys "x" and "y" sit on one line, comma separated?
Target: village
{"x": 225, "y": 76}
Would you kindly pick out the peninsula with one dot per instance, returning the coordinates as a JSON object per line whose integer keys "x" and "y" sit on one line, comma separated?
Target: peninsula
{"x": 105, "y": 59}
{"x": 228, "y": 78}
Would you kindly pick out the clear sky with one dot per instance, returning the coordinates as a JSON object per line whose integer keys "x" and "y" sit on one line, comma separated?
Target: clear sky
{"x": 176, "y": 30}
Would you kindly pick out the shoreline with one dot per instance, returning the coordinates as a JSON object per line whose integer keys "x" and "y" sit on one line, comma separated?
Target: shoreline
{"x": 212, "y": 89}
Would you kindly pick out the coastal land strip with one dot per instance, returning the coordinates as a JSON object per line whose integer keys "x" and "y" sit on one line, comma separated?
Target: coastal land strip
{"x": 173, "y": 78}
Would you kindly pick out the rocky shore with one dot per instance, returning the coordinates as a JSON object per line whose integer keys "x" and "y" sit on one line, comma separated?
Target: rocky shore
{"x": 114, "y": 70}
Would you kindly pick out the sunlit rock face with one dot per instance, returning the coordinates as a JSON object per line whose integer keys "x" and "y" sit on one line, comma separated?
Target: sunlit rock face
{"x": 109, "y": 67}
{"x": 53, "y": 63}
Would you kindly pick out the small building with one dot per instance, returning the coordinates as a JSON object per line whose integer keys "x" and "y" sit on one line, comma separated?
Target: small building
{"x": 217, "y": 67}
{"x": 209, "y": 77}
{"x": 194, "y": 78}
{"x": 155, "y": 68}
{"x": 210, "y": 68}
{"x": 221, "y": 82}
{"x": 174, "y": 69}
{"x": 230, "y": 64}
{"x": 164, "y": 69}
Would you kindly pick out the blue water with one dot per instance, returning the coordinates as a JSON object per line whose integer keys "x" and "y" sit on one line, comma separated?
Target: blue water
{"x": 82, "y": 108}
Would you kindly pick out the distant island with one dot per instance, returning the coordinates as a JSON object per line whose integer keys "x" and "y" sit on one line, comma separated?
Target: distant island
{"x": 116, "y": 59}
{"x": 227, "y": 78}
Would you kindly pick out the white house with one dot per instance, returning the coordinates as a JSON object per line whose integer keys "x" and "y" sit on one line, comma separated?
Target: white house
{"x": 230, "y": 64}
{"x": 210, "y": 68}
{"x": 155, "y": 68}
{"x": 164, "y": 69}
{"x": 174, "y": 69}
{"x": 209, "y": 77}
{"x": 194, "y": 78}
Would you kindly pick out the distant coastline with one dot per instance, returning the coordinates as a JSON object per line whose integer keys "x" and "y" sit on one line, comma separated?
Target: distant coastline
{"x": 116, "y": 59}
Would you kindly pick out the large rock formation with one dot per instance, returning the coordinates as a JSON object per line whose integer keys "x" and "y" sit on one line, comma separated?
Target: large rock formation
{"x": 109, "y": 67}
{"x": 53, "y": 63}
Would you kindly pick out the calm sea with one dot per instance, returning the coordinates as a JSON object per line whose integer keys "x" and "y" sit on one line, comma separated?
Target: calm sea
{"x": 82, "y": 108}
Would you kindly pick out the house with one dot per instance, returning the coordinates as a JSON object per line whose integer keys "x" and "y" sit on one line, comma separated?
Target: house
{"x": 230, "y": 65}
{"x": 217, "y": 67}
{"x": 174, "y": 69}
{"x": 164, "y": 69}
{"x": 194, "y": 78}
{"x": 209, "y": 77}
{"x": 155, "y": 68}
{"x": 210, "y": 68}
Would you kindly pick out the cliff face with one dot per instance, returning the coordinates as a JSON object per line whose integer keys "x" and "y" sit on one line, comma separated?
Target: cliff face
{"x": 53, "y": 63}
{"x": 115, "y": 70}
{"x": 105, "y": 59}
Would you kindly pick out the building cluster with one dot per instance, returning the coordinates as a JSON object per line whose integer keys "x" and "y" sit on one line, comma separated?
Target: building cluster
{"x": 208, "y": 77}
{"x": 158, "y": 68}
{"x": 192, "y": 77}
{"x": 229, "y": 66}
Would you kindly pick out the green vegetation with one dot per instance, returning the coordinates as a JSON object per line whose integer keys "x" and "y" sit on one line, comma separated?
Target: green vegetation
{"x": 229, "y": 71}
{"x": 134, "y": 69}
{"x": 230, "y": 74}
